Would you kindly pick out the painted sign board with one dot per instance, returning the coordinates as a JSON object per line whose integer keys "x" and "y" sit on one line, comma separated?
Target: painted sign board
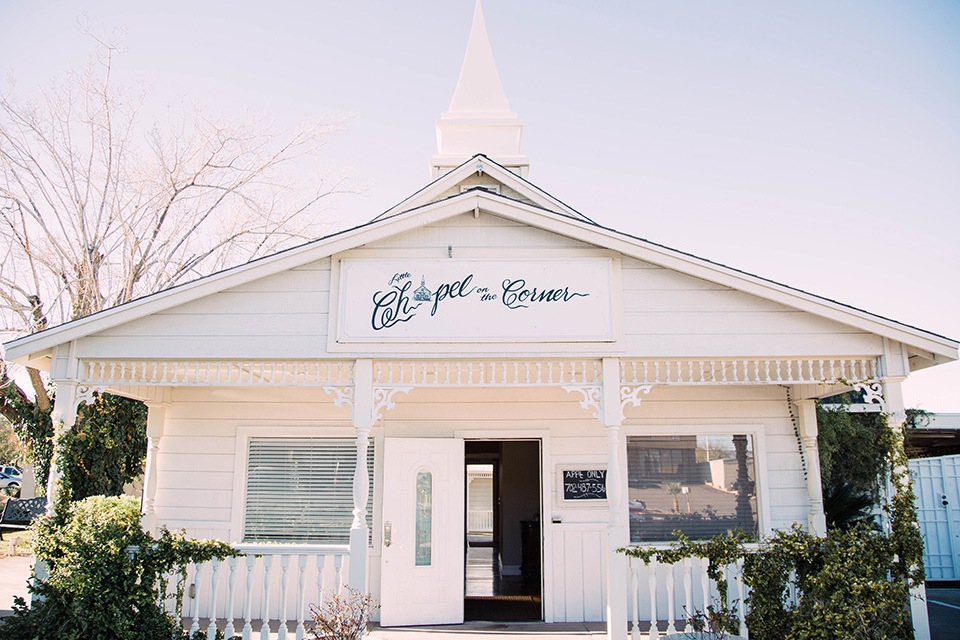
{"x": 583, "y": 484}
{"x": 452, "y": 301}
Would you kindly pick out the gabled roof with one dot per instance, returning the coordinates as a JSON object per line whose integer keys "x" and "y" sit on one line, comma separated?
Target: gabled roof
{"x": 482, "y": 164}
{"x": 548, "y": 214}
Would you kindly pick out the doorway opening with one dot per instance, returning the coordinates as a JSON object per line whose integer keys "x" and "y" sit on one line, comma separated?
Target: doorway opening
{"x": 503, "y": 531}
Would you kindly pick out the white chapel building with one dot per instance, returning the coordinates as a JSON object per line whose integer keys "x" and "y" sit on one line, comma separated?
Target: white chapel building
{"x": 321, "y": 407}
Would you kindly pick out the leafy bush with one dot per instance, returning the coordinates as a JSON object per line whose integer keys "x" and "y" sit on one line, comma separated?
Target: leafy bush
{"x": 852, "y": 449}
{"x": 106, "y": 448}
{"x": 106, "y": 575}
{"x": 844, "y": 587}
{"x": 851, "y": 584}
{"x": 846, "y": 508}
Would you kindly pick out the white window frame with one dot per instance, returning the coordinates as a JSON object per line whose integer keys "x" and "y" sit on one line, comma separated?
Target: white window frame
{"x": 755, "y": 431}
{"x": 243, "y": 436}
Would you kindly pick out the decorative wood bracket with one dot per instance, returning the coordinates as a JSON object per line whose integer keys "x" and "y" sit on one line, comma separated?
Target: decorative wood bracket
{"x": 383, "y": 399}
{"x": 592, "y": 396}
{"x": 872, "y": 393}
{"x": 631, "y": 395}
{"x": 343, "y": 396}
{"x": 85, "y": 393}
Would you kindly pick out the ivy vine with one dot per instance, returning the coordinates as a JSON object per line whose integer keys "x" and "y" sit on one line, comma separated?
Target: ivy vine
{"x": 853, "y": 583}
{"x": 106, "y": 575}
{"x": 718, "y": 551}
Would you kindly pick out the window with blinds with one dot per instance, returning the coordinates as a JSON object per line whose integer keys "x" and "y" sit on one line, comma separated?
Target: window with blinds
{"x": 301, "y": 490}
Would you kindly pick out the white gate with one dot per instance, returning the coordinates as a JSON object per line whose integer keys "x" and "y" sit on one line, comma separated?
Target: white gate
{"x": 937, "y": 485}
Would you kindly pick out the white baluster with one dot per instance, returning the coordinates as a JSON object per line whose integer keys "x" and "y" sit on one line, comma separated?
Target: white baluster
{"x": 320, "y": 564}
{"x": 338, "y": 579}
{"x": 265, "y": 626}
{"x": 248, "y": 608}
{"x": 705, "y": 582}
{"x": 214, "y": 579}
{"x": 671, "y": 619}
{"x": 301, "y": 578}
{"x": 196, "y": 600}
{"x": 741, "y": 613}
{"x": 687, "y": 587}
{"x": 284, "y": 563}
{"x": 229, "y": 632}
{"x": 654, "y": 630}
{"x": 635, "y": 598}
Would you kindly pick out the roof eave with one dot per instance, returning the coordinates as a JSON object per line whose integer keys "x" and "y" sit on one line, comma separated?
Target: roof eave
{"x": 555, "y": 222}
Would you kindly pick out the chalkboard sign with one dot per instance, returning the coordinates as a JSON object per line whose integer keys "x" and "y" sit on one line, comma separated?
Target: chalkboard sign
{"x": 584, "y": 484}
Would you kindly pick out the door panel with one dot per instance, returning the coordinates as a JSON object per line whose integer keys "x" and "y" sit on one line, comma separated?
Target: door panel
{"x": 936, "y": 486}
{"x": 423, "y": 514}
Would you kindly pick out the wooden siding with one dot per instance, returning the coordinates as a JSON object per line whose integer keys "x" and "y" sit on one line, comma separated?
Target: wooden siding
{"x": 197, "y": 461}
{"x": 669, "y": 314}
{"x": 477, "y": 180}
{"x": 666, "y": 314}
{"x": 280, "y": 316}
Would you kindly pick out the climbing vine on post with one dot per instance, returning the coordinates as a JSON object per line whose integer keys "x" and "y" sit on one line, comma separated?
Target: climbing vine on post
{"x": 719, "y": 551}
{"x": 901, "y": 509}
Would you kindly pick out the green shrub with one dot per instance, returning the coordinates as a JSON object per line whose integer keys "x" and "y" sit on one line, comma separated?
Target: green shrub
{"x": 106, "y": 575}
{"x": 851, "y": 584}
{"x": 105, "y": 449}
{"x": 852, "y": 449}
{"x": 844, "y": 587}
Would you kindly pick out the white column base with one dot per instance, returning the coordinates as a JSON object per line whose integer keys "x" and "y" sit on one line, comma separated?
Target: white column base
{"x": 617, "y": 584}
{"x": 357, "y": 578}
{"x": 918, "y": 612}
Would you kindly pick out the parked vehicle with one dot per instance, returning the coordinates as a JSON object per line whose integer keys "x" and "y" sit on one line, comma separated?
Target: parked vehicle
{"x": 10, "y": 485}
{"x": 637, "y": 509}
{"x": 11, "y": 471}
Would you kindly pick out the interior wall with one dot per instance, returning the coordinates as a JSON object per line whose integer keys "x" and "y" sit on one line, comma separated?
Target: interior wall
{"x": 520, "y": 496}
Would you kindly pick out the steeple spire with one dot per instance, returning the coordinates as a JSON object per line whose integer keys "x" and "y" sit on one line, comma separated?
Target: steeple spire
{"x": 479, "y": 119}
{"x": 478, "y": 89}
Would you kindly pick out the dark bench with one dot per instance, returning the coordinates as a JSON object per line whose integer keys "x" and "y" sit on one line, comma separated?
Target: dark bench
{"x": 18, "y": 514}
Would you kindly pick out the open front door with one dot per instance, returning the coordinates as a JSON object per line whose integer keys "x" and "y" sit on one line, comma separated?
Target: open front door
{"x": 421, "y": 578}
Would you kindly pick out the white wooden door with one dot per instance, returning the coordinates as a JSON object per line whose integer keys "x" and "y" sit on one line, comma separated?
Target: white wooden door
{"x": 937, "y": 485}
{"x": 421, "y": 578}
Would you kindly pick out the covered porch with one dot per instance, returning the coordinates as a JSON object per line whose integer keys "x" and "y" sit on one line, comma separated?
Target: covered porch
{"x": 250, "y": 595}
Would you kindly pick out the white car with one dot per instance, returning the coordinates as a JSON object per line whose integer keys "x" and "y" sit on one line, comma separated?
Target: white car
{"x": 11, "y": 471}
{"x": 10, "y": 484}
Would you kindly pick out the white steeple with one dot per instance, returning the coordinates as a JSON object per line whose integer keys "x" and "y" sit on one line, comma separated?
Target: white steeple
{"x": 479, "y": 119}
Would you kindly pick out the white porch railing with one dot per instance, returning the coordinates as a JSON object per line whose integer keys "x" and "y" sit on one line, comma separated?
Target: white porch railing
{"x": 662, "y": 596}
{"x": 269, "y": 584}
{"x": 480, "y": 521}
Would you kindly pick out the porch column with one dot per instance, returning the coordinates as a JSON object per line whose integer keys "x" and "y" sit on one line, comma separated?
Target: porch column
{"x": 63, "y": 416}
{"x": 362, "y": 421}
{"x": 897, "y": 415}
{"x": 156, "y": 413}
{"x": 617, "y": 534}
{"x": 807, "y": 419}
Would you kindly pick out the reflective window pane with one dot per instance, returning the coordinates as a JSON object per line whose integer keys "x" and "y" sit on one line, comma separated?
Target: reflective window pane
{"x": 424, "y": 518}
{"x": 700, "y": 485}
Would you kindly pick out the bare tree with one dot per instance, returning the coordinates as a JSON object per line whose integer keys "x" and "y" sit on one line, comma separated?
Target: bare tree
{"x": 95, "y": 210}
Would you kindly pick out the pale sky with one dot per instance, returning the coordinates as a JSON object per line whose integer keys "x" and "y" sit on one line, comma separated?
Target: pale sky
{"x": 814, "y": 143}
